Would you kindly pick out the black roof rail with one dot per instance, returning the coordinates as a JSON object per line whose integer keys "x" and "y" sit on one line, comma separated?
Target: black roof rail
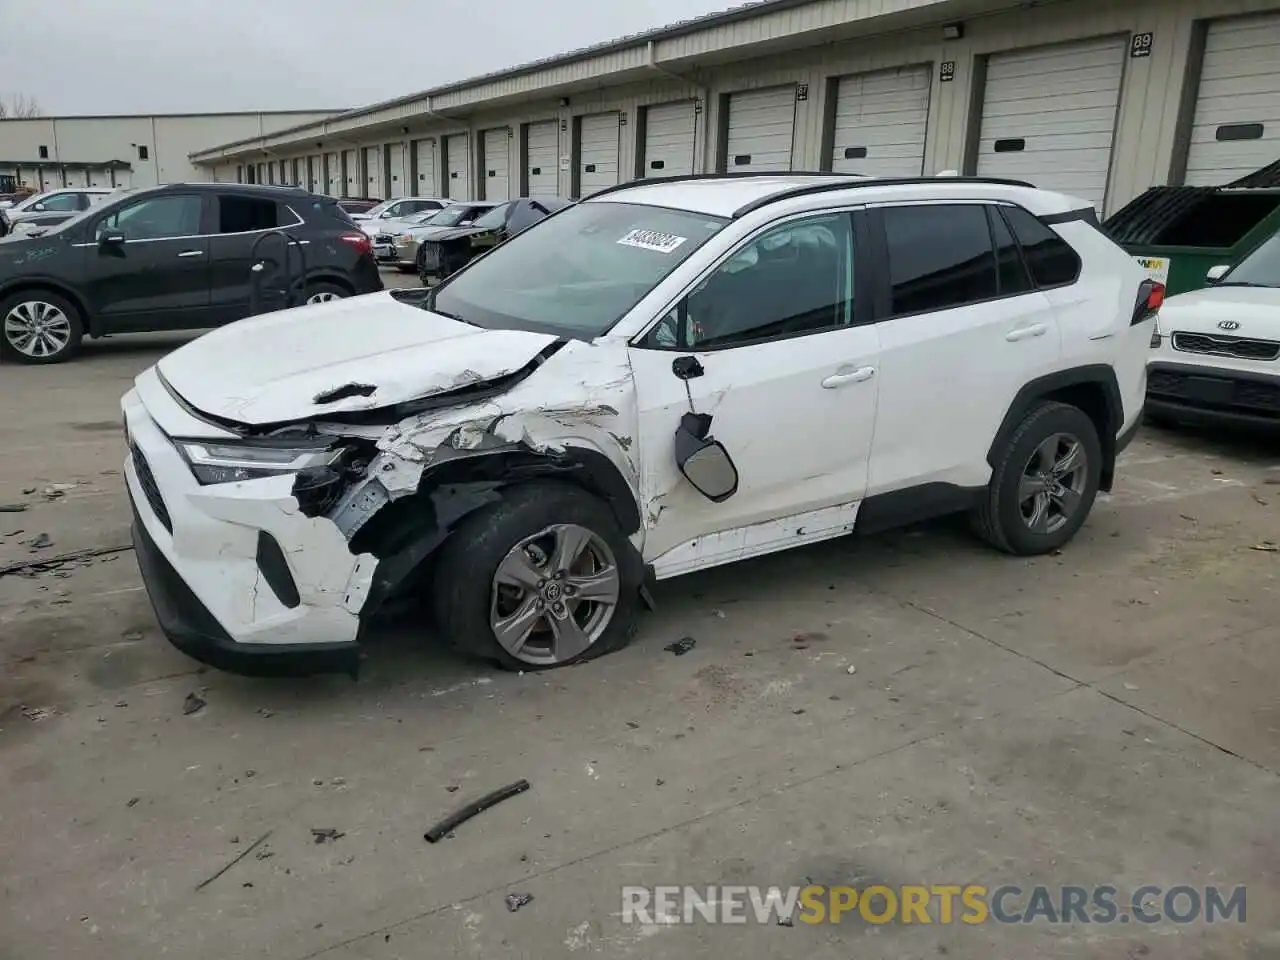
{"x": 809, "y": 188}
{"x": 690, "y": 177}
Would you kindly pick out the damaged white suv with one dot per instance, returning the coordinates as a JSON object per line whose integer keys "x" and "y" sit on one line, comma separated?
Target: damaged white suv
{"x": 662, "y": 378}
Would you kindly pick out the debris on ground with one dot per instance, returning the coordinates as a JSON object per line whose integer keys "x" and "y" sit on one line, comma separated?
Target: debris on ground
{"x": 681, "y": 646}
{"x": 633, "y": 725}
{"x": 247, "y": 850}
{"x": 133, "y": 801}
{"x": 265, "y": 713}
{"x": 452, "y": 788}
{"x": 719, "y": 614}
{"x": 443, "y": 828}
{"x": 786, "y": 922}
{"x": 41, "y": 541}
{"x": 851, "y": 670}
{"x": 27, "y": 491}
{"x": 517, "y": 900}
{"x": 193, "y": 704}
{"x": 1266, "y": 546}
{"x": 131, "y": 636}
{"x": 326, "y": 834}
{"x": 13, "y": 507}
{"x": 31, "y": 568}
{"x": 55, "y": 490}
{"x": 36, "y": 714}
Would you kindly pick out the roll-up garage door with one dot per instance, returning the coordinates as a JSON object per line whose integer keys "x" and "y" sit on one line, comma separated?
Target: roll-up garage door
{"x": 762, "y": 125}
{"x": 670, "y": 132}
{"x": 333, "y": 174}
{"x": 373, "y": 183}
{"x": 425, "y": 184}
{"x": 1236, "y": 129}
{"x": 351, "y": 185}
{"x": 396, "y": 167}
{"x": 497, "y": 164}
{"x": 458, "y": 154}
{"x": 1049, "y": 116}
{"x": 881, "y": 121}
{"x": 598, "y": 145}
{"x": 542, "y": 159}
{"x": 77, "y": 178}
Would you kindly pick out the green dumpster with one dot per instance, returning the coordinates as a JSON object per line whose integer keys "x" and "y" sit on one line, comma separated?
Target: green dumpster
{"x": 1179, "y": 233}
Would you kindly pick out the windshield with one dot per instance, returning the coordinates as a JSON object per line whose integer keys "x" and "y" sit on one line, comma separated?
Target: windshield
{"x": 384, "y": 205}
{"x": 448, "y": 217}
{"x": 577, "y": 273}
{"x": 494, "y": 218}
{"x": 1261, "y": 268}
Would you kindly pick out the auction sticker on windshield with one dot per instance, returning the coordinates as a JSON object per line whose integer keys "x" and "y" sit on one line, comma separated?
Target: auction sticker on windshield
{"x": 652, "y": 240}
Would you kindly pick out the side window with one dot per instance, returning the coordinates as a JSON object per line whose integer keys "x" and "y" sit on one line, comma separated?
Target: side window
{"x": 62, "y": 203}
{"x": 156, "y": 218}
{"x": 795, "y": 278}
{"x": 1050, "y": 258}
{"x": 244, "y": 214}
{"x": 940, "y": 256}
{"x": 1014, "y": 278}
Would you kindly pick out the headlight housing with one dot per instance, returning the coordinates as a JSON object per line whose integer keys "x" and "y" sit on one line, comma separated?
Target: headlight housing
{"x": 230, "y": 462}
{"x": 405, "y": 238}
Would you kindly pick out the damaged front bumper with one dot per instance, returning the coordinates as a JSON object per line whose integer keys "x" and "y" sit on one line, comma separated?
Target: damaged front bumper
{"x": 239, "y": 578}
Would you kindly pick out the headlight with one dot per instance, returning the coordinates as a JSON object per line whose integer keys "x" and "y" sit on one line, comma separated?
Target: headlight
{"x": 405, "y": 238}
{"x": 227, "y": 463}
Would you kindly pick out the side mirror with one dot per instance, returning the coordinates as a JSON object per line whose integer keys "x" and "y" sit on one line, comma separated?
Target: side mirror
{"x": 1215, "y": 274}
{"x": 110, "y": 239}
{"x": 703, "y": 460}
{"x": 38, "y": 207}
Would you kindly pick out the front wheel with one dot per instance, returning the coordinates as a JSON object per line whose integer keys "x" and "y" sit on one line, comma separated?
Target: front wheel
{"x": 323, "y": 292}
{"x": 1044, "y": 483}
{"x": 542, "y": 579}
{"x": 39, "y": 327}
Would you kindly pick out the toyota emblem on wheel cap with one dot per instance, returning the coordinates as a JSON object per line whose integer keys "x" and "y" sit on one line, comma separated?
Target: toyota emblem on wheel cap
{"x": 1228, "y": 325}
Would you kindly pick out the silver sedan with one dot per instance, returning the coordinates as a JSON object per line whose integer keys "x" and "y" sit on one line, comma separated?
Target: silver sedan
{"x": 398, "y": 245}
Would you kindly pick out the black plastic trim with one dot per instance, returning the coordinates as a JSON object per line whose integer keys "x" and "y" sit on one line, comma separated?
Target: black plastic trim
{"x": 862, "y": 181}
{"x": 1208, "y": 416}
{"x": 901, "y": 508}
{"x": 275, "y": 570}
{"x": 1088, "y": 214}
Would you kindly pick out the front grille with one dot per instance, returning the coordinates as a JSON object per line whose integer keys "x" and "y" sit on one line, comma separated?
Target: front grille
{"x": 382, "y": 238}
{"x": 1242, "y": 348}
{"x": 147, "y": 480}
{"x": 1221, "y": 393}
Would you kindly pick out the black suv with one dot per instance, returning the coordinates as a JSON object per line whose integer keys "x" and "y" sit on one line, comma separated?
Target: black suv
{"x": 176, "y": 257}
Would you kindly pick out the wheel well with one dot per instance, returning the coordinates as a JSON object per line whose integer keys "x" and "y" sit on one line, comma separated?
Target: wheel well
{"x": 337, "y": 281}
{"x": 30, "y": 286}
{"x": 1092, "y": 389}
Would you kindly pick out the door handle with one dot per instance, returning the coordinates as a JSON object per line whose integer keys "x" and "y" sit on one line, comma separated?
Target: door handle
{"x": 1026, "y": 333}
{"x": 850, "y": 376}
{"x": 191, "y": 253}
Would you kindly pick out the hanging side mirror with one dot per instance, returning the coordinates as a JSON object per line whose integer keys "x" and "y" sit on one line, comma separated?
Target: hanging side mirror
{"x": 702, "y": 459}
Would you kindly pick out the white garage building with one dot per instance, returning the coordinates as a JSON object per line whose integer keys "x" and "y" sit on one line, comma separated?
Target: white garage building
{"x": 1098, "y": 98}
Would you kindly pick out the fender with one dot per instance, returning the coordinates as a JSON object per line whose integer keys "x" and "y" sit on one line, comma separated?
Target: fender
{"x": 1066, "y": 386}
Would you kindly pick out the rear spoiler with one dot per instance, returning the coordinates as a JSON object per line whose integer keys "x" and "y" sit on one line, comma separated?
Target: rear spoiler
{"x": 1088, "y": 214}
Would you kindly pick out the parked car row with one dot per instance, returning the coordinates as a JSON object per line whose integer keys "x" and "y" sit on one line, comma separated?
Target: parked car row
{"x": 43, "y": 210}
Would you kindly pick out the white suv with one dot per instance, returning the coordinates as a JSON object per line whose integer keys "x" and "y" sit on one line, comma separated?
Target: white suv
{"x": 662, "y": 378}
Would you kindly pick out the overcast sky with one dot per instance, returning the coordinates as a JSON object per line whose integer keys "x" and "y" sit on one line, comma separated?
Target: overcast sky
{"x": 173, "y": 56}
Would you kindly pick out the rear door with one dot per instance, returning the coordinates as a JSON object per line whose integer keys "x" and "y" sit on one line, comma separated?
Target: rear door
{"x": 158, "y": 279}
{"x": 239, "y": 225}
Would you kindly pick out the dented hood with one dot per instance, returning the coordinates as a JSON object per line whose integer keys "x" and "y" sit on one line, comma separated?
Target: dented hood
{"x": 280, "y": 366}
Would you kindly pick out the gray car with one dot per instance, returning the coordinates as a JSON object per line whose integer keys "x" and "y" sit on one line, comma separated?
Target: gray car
{"x": 69, "y": 201}
{"x": 397, "y": 244}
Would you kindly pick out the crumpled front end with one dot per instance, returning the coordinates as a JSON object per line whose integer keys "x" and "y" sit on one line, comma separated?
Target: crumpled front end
{"x": 278, "y": 569}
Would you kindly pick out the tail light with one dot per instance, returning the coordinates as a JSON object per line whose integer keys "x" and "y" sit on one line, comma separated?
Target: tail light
{"x": 361, "y": 241}
{"x": 1150, "y": 300}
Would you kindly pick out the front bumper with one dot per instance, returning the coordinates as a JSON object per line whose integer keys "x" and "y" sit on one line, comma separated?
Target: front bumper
{"x": 1213, "y": 394}
{"x": 217, "y": 595}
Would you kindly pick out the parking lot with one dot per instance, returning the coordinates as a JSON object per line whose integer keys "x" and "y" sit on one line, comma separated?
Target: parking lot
{"x": 905, "y": 709}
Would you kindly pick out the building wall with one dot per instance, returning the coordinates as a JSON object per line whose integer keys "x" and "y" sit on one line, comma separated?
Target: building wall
{"x": 167, "y": 141}
{"x": 1151, "y": 128}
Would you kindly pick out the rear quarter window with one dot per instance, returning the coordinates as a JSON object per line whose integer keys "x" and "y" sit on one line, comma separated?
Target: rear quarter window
{"x": 1051, "y": 260}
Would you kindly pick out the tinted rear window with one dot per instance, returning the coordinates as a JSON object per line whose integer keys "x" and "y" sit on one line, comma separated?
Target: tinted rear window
{"x": 1050, "y": 258}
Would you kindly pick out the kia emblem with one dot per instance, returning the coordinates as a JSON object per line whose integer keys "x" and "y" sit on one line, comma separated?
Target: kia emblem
{"x": 1228, "y": 325}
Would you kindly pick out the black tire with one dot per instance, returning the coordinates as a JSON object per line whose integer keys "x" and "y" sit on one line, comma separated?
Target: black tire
{"x": 75, "y": 322}
{"x": 999, "y": 519}
{"x": 319, "y": 288}
{"x": 465, "y": 568}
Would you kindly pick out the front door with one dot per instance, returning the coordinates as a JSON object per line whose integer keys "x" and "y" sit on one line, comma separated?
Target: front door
{"x": 158, "y": 279}
{"x": 788, "y": 374}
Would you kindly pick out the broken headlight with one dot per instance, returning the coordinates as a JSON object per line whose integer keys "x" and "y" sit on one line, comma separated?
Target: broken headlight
{"x": 227, "y": 463}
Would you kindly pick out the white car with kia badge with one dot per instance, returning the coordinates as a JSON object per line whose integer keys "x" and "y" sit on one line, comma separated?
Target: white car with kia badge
{"x": 665, "y": 377}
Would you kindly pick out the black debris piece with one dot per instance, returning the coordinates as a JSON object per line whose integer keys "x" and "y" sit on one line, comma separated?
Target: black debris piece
{"x": 244, "y": 853}
{"x": 517, "y": 900}
{"x": 13, "y": 507}
{"x": 41, "y": 541}
{"x": 681, "y": 646}
{"x": 443, "y": 828}
{"x": 193, "y": 704}
{"x": 326, "y": 834}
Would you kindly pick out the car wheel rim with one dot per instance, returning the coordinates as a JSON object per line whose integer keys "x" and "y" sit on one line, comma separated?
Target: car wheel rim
{"x": 37, "y": 329}
{"x": 324, "y": 296}
{"x": 1053, "y": 481}
{"x": 554, "y": 595}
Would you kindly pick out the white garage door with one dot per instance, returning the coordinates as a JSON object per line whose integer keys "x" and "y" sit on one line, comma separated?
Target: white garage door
{"x": 881, "y": 122}
{"x": 425, "y": 185}
{"x": 120, "y": 178}
{"x": 458, "y": 152}
{"x": 598, "y": 145}
{"x": 100, "y": 178}
{"x": 1049, "y": 116}
{"x": 399, "y": 175}
{"x": 373, "y": 181}
{"x": 542, "y": 158}
{"x": 77, "y": 178}
{"x": 497, "y": 164}
{"x": 1237, "y": 118}
{"x": 670, "y": 131}
{"x": 762, "y": 125}
{"x": 351, "y": 174}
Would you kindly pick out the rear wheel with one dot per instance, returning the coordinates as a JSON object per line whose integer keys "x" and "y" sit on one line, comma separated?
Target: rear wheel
{"x": 323, "y": 292}
{"x": 542, "y": 579}
{"x": 1044, "y": 483}
{"x": 39, "y": 327}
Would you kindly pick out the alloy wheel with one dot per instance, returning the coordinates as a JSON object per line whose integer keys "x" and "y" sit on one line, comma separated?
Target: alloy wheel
{"x": 554, "y": 595}
{"x": 1053, "y": 482}
{"x": 37, "y": 329}
{"x": 324, "y": 296}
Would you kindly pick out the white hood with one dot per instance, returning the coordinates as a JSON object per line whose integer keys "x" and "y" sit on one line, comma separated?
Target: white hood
{"x": 271, "y": 368}
{"x": 1255, "y": 309}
